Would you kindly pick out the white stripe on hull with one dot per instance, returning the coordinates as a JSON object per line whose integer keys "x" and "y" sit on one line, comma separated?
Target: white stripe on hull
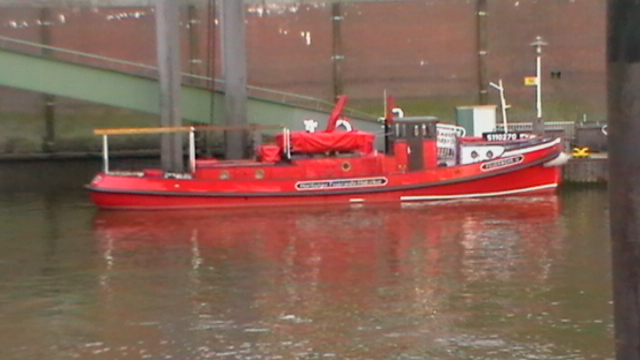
{"x": 467, "y": 196}
{"x": 531, "y": 149}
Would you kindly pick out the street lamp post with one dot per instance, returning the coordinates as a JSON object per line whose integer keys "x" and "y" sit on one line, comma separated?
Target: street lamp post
{"x": 538, "y": 124}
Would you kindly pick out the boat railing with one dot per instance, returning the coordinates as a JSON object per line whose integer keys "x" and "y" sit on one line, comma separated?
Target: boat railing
{"x": 286, "y": 136}
{"x": 190, "y": 130}
{"x": 448, "y": 128}
{"x": 447, "y": 142}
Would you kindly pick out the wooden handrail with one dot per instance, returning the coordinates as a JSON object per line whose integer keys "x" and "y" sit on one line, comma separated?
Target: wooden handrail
{"x": 178, "y": 129}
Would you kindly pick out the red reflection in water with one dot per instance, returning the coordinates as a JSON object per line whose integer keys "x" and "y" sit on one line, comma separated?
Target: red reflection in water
{"x": 341, "y": 244}
{"x": 331, "y": 278}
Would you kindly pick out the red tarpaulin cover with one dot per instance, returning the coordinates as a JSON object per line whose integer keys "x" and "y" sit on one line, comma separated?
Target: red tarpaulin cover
{"x": 323, "y": 141}
{"x": 269, "y": 153}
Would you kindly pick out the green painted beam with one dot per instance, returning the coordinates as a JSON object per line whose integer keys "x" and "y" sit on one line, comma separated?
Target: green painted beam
{"x": 133, "y": 92}
{"x": 92, "y": 84}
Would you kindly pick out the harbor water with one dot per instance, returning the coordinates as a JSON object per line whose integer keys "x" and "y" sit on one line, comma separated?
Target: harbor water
{"x": 510, "y": 278}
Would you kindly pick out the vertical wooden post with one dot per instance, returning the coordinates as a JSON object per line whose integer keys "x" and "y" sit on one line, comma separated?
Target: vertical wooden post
{"x": 235, "y": 76}
{"x": 195, "y": 62}
{"x": 623, "y": 56}
{"x": 49, "y": 139}
{"x": 338, "y": 56}
{"x": 483, "y": 48}
{"x": 168, "y": 43}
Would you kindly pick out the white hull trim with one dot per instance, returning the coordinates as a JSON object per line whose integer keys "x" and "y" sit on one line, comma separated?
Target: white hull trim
{"x": 531, "y": 149}
{"x": 562, "y": 159}
{"x": 476, "y": 195}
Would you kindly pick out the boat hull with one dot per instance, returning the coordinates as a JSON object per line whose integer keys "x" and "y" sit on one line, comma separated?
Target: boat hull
{"x": 143, "y": 194}
{"x": 422, "y": 161}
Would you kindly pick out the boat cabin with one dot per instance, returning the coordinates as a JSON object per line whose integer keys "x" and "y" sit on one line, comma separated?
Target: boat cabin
{"x": 413, "y": 141}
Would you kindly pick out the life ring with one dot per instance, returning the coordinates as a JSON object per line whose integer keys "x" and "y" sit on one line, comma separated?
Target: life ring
{"x": 345, "y": 124}
{"x": 346, "y": 166}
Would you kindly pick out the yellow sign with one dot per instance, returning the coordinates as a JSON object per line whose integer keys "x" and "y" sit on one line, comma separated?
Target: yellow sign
{"x": 530, "y": 80}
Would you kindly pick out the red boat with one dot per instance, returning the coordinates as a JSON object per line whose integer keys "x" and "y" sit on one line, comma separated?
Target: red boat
{"x": 422, "y": 160}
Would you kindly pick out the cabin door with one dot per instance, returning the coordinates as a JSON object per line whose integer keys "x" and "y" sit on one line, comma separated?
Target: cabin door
{"x": 417, "y": 132}
{"x": 416, "y": 153}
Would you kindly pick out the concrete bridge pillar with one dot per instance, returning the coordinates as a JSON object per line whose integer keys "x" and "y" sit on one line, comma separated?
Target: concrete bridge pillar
{"x": 168, "y": 48}
{"x": 235, "y": 77}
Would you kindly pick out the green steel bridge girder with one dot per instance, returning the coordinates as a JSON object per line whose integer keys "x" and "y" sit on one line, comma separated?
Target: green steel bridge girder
{"x": 134, "y": 92}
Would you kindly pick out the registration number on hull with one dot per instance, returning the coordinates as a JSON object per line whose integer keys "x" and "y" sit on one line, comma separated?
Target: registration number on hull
{"x": 501, "y": 136}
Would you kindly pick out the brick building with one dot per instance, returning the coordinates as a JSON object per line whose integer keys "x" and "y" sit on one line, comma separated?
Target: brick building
{"x": 424, "y": 52}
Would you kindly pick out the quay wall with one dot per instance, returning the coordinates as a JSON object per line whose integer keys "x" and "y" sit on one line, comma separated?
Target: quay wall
{"x": 423, "y": 52}
{"x": 592, "y": 170}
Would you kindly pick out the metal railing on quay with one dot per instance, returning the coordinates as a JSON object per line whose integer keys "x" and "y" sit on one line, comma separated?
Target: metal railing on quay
{"x": 568, "y": 127}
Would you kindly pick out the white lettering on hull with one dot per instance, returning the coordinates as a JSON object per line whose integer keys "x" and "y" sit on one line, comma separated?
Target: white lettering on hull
{"x": 501, "y": 163}
{"x": 341, "y": 184}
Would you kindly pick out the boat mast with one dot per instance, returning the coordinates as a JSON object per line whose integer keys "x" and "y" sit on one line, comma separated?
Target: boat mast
{"x": 503, "y": 103}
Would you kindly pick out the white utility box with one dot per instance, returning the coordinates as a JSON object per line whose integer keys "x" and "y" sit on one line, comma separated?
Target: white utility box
{"x": 476, "y": 119}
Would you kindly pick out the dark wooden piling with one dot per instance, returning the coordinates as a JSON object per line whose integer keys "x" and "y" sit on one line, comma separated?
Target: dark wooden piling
{"x": 623, "y": 55}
